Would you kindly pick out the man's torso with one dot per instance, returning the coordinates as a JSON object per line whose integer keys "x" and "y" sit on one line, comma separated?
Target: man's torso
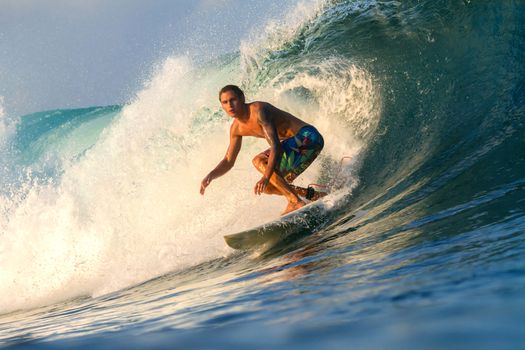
{"x": 285, "y": 123}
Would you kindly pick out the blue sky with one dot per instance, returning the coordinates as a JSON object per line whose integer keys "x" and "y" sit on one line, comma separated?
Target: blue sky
{"x": 79, "y": 53}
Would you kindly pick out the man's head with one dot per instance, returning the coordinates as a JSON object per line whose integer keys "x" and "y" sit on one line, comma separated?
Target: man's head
{"x": 232, "y": 100}
{"x": 235, "y": 89}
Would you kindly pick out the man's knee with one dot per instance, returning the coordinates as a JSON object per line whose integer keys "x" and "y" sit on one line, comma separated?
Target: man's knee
{"x": 259, "y": 160}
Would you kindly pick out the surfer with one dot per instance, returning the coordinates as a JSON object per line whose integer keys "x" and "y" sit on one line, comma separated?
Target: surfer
{"x": 294, "y": 145}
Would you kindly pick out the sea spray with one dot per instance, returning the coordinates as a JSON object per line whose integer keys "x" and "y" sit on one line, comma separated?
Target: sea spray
{"x": 129, "y": 209}
{"x": 119, "y": 215}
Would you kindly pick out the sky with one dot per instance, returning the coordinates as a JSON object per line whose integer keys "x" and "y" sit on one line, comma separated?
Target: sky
{"x": 58, "y": 54}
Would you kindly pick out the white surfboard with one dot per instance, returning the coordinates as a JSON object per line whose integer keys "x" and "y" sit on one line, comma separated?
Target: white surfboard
{"x": 302, "y": 220}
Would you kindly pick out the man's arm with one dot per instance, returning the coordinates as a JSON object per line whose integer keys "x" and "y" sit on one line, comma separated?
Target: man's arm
{"x": 227, "y": 163}
{"x": 270, "y": 132}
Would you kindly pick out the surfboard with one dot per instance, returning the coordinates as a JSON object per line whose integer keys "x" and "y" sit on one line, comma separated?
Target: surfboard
{"x": 269, "y": 234}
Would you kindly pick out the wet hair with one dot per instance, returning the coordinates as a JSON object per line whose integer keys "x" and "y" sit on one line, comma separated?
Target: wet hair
{"x": 236, "y": 90}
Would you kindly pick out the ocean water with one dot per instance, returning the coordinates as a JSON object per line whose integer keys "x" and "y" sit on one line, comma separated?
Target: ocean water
{"x": 106, "y": 243}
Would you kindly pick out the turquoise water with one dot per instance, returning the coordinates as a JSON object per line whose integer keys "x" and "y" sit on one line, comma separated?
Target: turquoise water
{"x": 106, "y": 243}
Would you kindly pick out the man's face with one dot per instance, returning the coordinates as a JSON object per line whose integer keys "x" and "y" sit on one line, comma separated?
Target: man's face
{"x": 231, "y": 104}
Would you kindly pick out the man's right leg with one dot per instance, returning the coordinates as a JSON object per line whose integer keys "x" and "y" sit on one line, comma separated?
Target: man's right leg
{"x": 271, "y": 189}
{"x": 294, "y": 202}
{"x": 301, "y": 191}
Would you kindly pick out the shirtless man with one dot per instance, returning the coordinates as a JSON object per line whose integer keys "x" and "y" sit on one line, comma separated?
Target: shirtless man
{"x": 294, "y": 145}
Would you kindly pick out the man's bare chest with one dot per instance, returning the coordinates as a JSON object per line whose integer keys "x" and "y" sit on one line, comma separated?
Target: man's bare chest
{"x": 250, "y": 129}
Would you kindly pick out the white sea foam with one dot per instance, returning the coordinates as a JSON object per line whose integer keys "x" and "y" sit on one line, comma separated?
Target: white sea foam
{"x": 277, "y": 33}
{"x": 7, "y": 127}
{"x": 130, "y": 209}
{"x": 7, "y": 131}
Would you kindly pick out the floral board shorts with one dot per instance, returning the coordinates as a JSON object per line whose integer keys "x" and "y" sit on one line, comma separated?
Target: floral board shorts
{"x": 298, "y": 152}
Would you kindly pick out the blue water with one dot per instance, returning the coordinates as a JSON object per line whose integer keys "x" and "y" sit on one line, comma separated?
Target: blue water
{"x": 105, "y": 241}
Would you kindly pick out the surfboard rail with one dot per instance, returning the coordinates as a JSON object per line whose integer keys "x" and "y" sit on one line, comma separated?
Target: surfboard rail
{"x": 269, "y": 234}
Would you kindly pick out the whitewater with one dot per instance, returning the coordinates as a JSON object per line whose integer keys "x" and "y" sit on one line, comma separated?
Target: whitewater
{"x": 106, "y": 242}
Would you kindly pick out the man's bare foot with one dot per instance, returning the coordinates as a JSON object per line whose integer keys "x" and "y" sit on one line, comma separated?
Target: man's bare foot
{"x": 293, "y": 206}
{"x": 309, "y": 193}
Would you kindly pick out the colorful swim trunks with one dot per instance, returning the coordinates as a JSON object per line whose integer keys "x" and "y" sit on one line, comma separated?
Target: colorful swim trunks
{"x": 299, "y": 152}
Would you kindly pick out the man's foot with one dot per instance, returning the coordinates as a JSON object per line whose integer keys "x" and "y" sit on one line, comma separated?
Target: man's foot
{"x": 293, "y": 206}
{"x": 313, "y": 195}
{"x": 309, "y": 193}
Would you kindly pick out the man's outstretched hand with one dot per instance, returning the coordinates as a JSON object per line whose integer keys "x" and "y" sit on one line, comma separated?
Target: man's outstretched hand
{"x": 205, "y": 182}
{"x": 260, "y": 186}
